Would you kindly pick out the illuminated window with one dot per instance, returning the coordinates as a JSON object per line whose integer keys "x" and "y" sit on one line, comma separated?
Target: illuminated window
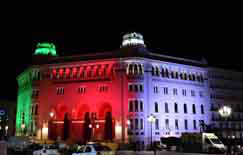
{"x": 156, "y": 107}
{"x": 193, "y": 109}
{"x": 60, "y": 91}
{"x": 176, "y": 108}
{"x": 186, "y": 124}
{"x": 157, "y": 124}
{"x": 176, "y": 124}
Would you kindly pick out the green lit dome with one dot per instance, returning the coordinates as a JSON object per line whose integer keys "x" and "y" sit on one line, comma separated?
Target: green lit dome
{"x": 46, "y": 49}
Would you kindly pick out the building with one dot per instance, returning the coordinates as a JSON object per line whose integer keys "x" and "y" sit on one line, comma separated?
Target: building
{"x": 7, "y": 117}
{"x": 226, "y": 88}
{"x": 111, "y": 95}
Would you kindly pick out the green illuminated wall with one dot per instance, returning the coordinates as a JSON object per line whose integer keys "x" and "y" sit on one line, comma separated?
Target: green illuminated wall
{"x": 24, "y": 101}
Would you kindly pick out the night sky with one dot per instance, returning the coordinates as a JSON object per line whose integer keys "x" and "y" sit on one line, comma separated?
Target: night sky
{"x": 214, "y": 33}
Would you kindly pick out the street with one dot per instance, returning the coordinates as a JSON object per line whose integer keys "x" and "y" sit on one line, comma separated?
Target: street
{"x": 158, "y": 153}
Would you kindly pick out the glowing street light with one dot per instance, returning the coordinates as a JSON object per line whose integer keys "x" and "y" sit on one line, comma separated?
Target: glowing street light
{"x": 51, "y": 114}
{"x": 23, "y": 126}
{"x": 225, "y": 112}
{"x": 151, "y": 119}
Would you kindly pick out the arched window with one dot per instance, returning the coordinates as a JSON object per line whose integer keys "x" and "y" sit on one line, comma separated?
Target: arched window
{"x": 153, "y": 71}
{"x": 176, "y": 75}
{"x": 141, "y": 106}
{"x": 156, "y": 107}
{"x": 135, "y": 69}
{"x": 193, "y": 109}
{"x": 140, "y": 67}
{"x": 162, "y": 72}
{"x": 193, "y": 77}
{"x": 202, "y": 109}
{"x": 157, "y": 71}
{"x": 185, "y": 76}
{"x": 166, "y": 73}
{"x": 172, "y": 74}
{"x": 130, "y": 68}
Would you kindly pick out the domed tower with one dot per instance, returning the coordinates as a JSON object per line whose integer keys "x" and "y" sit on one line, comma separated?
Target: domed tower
{"x": 46, "y": 49}
{"x": 133, "y": 39}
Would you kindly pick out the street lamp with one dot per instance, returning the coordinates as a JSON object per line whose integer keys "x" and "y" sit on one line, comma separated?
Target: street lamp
{"x": 22, "y": 126}
{"x": 225, "y": 112}
{"x": 151, "y": 119}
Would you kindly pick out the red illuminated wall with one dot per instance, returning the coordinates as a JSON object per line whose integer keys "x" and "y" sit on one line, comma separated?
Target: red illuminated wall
{"x": 76, "y": 104}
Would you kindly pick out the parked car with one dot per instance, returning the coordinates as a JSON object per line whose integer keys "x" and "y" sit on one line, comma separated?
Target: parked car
{"x": 47, "y": 150}
{"x": 94, "y": 149}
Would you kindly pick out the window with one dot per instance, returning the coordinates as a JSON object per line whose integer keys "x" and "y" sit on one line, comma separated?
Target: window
{"x": 141, "y": 123}
{"x": 194, "y": 124}
{"x": 156, "y": 89}
{"x": 201, "y": 94}
{"x": 167, "y": 124}
{"x": 141, "y": 88}
{"x": 186, "y": 124}
{"x": 130, "y": 88}
{"x": 130, "y": 106}
{"x": 157, "y": 124}
{"x": 166, "y": 90}
{"x": 193, "y": 109}
{"x": 156, "y": 107}
{"x": 175, "y": 91}
{"x": 136, "y": 124}
{"x": 60, "y": 91}
{"x": 136, "y": 105}
{"x": 202, "y": 109}
{"x": 131, "y": 124}
{"x": 141, "y": 106}
{"x": 176, "y": 108}
{"x": 166, "y": 108}
{"x": 185, "y": 109}
{"x": 135, "y": 88}
{"x": 81, "y": 90}
{"x": 184, "y": 92}
{"x": 192, "y": 93}
{"x": 176, "y": 124}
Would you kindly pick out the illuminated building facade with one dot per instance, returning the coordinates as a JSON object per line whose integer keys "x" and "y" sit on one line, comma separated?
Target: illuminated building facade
{"x": 110, "y": 95}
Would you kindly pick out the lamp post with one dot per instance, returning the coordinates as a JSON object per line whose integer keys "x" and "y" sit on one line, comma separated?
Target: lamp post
{"x": 22, "y": 127}
{"x": 225, "y": 112}
{"x": 151, "y": 119}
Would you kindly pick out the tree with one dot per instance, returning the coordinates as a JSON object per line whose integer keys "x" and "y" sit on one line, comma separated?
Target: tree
{"x": 108, "y": 126}
{"x": 66, "y": 127}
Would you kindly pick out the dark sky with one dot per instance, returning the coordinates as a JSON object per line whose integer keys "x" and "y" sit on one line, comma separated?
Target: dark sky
{"x": 213, "y": 32}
